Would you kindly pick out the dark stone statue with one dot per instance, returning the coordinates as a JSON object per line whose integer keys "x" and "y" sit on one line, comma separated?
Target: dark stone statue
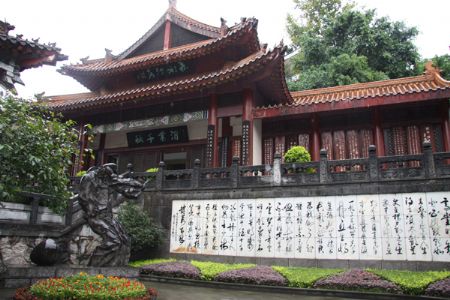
{"x": 100, "y": 190}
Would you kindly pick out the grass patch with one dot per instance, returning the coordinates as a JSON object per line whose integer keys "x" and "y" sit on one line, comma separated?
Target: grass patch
{"x": 304, "y": 277}
{"x": 413, "y": 283}
{"x": 141, "y": 263}
{"x": 209, "y": 270}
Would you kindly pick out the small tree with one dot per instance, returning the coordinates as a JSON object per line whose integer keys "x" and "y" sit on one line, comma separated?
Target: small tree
{"x": 35, "y": 151}
{"x": 297, "y": 154}
{"x": 143, "y": 232}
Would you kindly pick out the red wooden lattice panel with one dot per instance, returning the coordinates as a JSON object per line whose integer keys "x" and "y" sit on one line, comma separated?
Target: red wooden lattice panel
{"x": 366, "y": 141}
{"x": 291, "y": 141}
{"x": 327, "y": 143}
{"x": 353, "y": 144}
{"x": 399, "y": 139}
{"x": 236, "y": 147}
{"x": 303, "y": 140}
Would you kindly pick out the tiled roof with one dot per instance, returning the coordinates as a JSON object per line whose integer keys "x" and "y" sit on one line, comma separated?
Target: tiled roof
{"x": 429, "y": 81}
{"x": 28, "y": 47}
{"x": 248, "y": 66}
{"x": 425, "y": 87}
{"x": 105, "y": 66}
{"x": 181, "y": 20}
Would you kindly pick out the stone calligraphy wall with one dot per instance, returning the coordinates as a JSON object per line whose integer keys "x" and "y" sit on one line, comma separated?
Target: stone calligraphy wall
{"x": 413, "y": 227}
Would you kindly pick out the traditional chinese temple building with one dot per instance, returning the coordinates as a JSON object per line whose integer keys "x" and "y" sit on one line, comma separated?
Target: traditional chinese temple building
{"x": 18, "y": 54}
{"x": 187, "y": 90}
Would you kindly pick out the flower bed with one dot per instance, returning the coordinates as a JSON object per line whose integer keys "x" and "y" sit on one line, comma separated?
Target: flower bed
{"x": 262, "y": 275}
{"x": 172, "y": 269}
{"x": 357, "y": 280}
{"x": 440, "y": 288}
{"x": 391, "y": 281}
{"x": 84, "y": 287}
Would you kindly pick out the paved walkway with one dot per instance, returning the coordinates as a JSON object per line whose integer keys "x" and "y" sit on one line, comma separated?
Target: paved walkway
{"x": 183, "y": 292}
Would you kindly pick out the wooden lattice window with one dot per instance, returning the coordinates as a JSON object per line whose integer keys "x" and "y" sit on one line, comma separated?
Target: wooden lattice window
{"x": 401, "y": 140}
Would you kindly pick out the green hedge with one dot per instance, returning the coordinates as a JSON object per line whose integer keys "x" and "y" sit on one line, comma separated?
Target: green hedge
{"x": 413, "y": 283}
{"x": 210, "y": 270}
{"x": 304, "y": 277}
{"x": 141, "y": 263}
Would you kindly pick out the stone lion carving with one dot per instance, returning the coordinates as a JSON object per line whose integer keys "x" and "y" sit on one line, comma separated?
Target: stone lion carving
{"x": 99, "y": 191}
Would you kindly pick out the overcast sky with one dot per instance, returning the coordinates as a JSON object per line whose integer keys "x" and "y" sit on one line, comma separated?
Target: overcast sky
{"x": 85, "y": 27}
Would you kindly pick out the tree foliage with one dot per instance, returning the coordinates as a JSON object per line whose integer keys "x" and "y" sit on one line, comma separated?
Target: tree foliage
{"x": 338, "y": 44}
{"x": 143, "y": 232}
{"x": 35, "y": 151}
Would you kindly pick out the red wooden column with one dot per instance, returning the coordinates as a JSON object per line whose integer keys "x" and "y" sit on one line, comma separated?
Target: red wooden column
{"x": 212, "y": 149}
{"x": 247, "y": 128}
{"x": 101, "y": 150}
{"x": 227, "y": 134}
{"x": 445, "y": 126}
{"x": 315, "y": 137}
{"x": 167, "y": 35}
{"x": 378, "y": 130}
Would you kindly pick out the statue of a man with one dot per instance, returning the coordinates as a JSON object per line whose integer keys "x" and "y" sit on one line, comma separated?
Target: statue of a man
{"x": 100, "y": 190}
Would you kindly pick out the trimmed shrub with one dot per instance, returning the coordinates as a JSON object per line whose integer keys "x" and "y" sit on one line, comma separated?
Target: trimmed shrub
{"x": 261, "y": 275}
{"x": 297, "y": 154}
{"x": 172, "y": 269}
{"x": 440, "y": 288}
{"x": 210, "y": 270}
{"x": 357, "y": 280}
{"x": 304, "y": 277}
{"x": 413, "y": 283}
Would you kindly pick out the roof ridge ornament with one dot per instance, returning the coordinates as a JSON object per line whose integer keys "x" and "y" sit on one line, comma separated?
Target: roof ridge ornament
{"x": 84, "y": 60}
{"x": 5, "y": 27}
{"x": 223, "y": 27}
{"x": 108, "y": 54}
{"x": 430, "y": 69}
{"x": 435, "y": 73}
{"x": 172, "y": 3}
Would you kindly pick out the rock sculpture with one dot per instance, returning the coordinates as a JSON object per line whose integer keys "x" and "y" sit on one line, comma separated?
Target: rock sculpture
{"x": 47, "y": 253}
{"x": 99, "y": 191}
{"x": 2, "y": 265}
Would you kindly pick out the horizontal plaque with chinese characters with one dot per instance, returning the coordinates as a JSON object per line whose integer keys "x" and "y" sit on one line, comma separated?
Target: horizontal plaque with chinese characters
{"x": 160, "y": 136}
{"x": 163, "y": 72}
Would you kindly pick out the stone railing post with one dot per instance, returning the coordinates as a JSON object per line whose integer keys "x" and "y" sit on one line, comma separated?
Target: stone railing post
{"x": 195, "y": 179}
{"x": 323, "y": 166}
{"x": 428, "y": 160}
{"x": 34, "y": 210}
{"x": 277, "y": 169}
{"x": 160, "y": 176}
{"x": 373, "y": 163}
{"x": 235, "y": 172}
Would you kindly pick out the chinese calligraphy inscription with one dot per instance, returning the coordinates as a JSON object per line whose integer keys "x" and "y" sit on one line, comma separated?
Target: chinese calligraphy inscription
{"x": 414, "y": 227}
